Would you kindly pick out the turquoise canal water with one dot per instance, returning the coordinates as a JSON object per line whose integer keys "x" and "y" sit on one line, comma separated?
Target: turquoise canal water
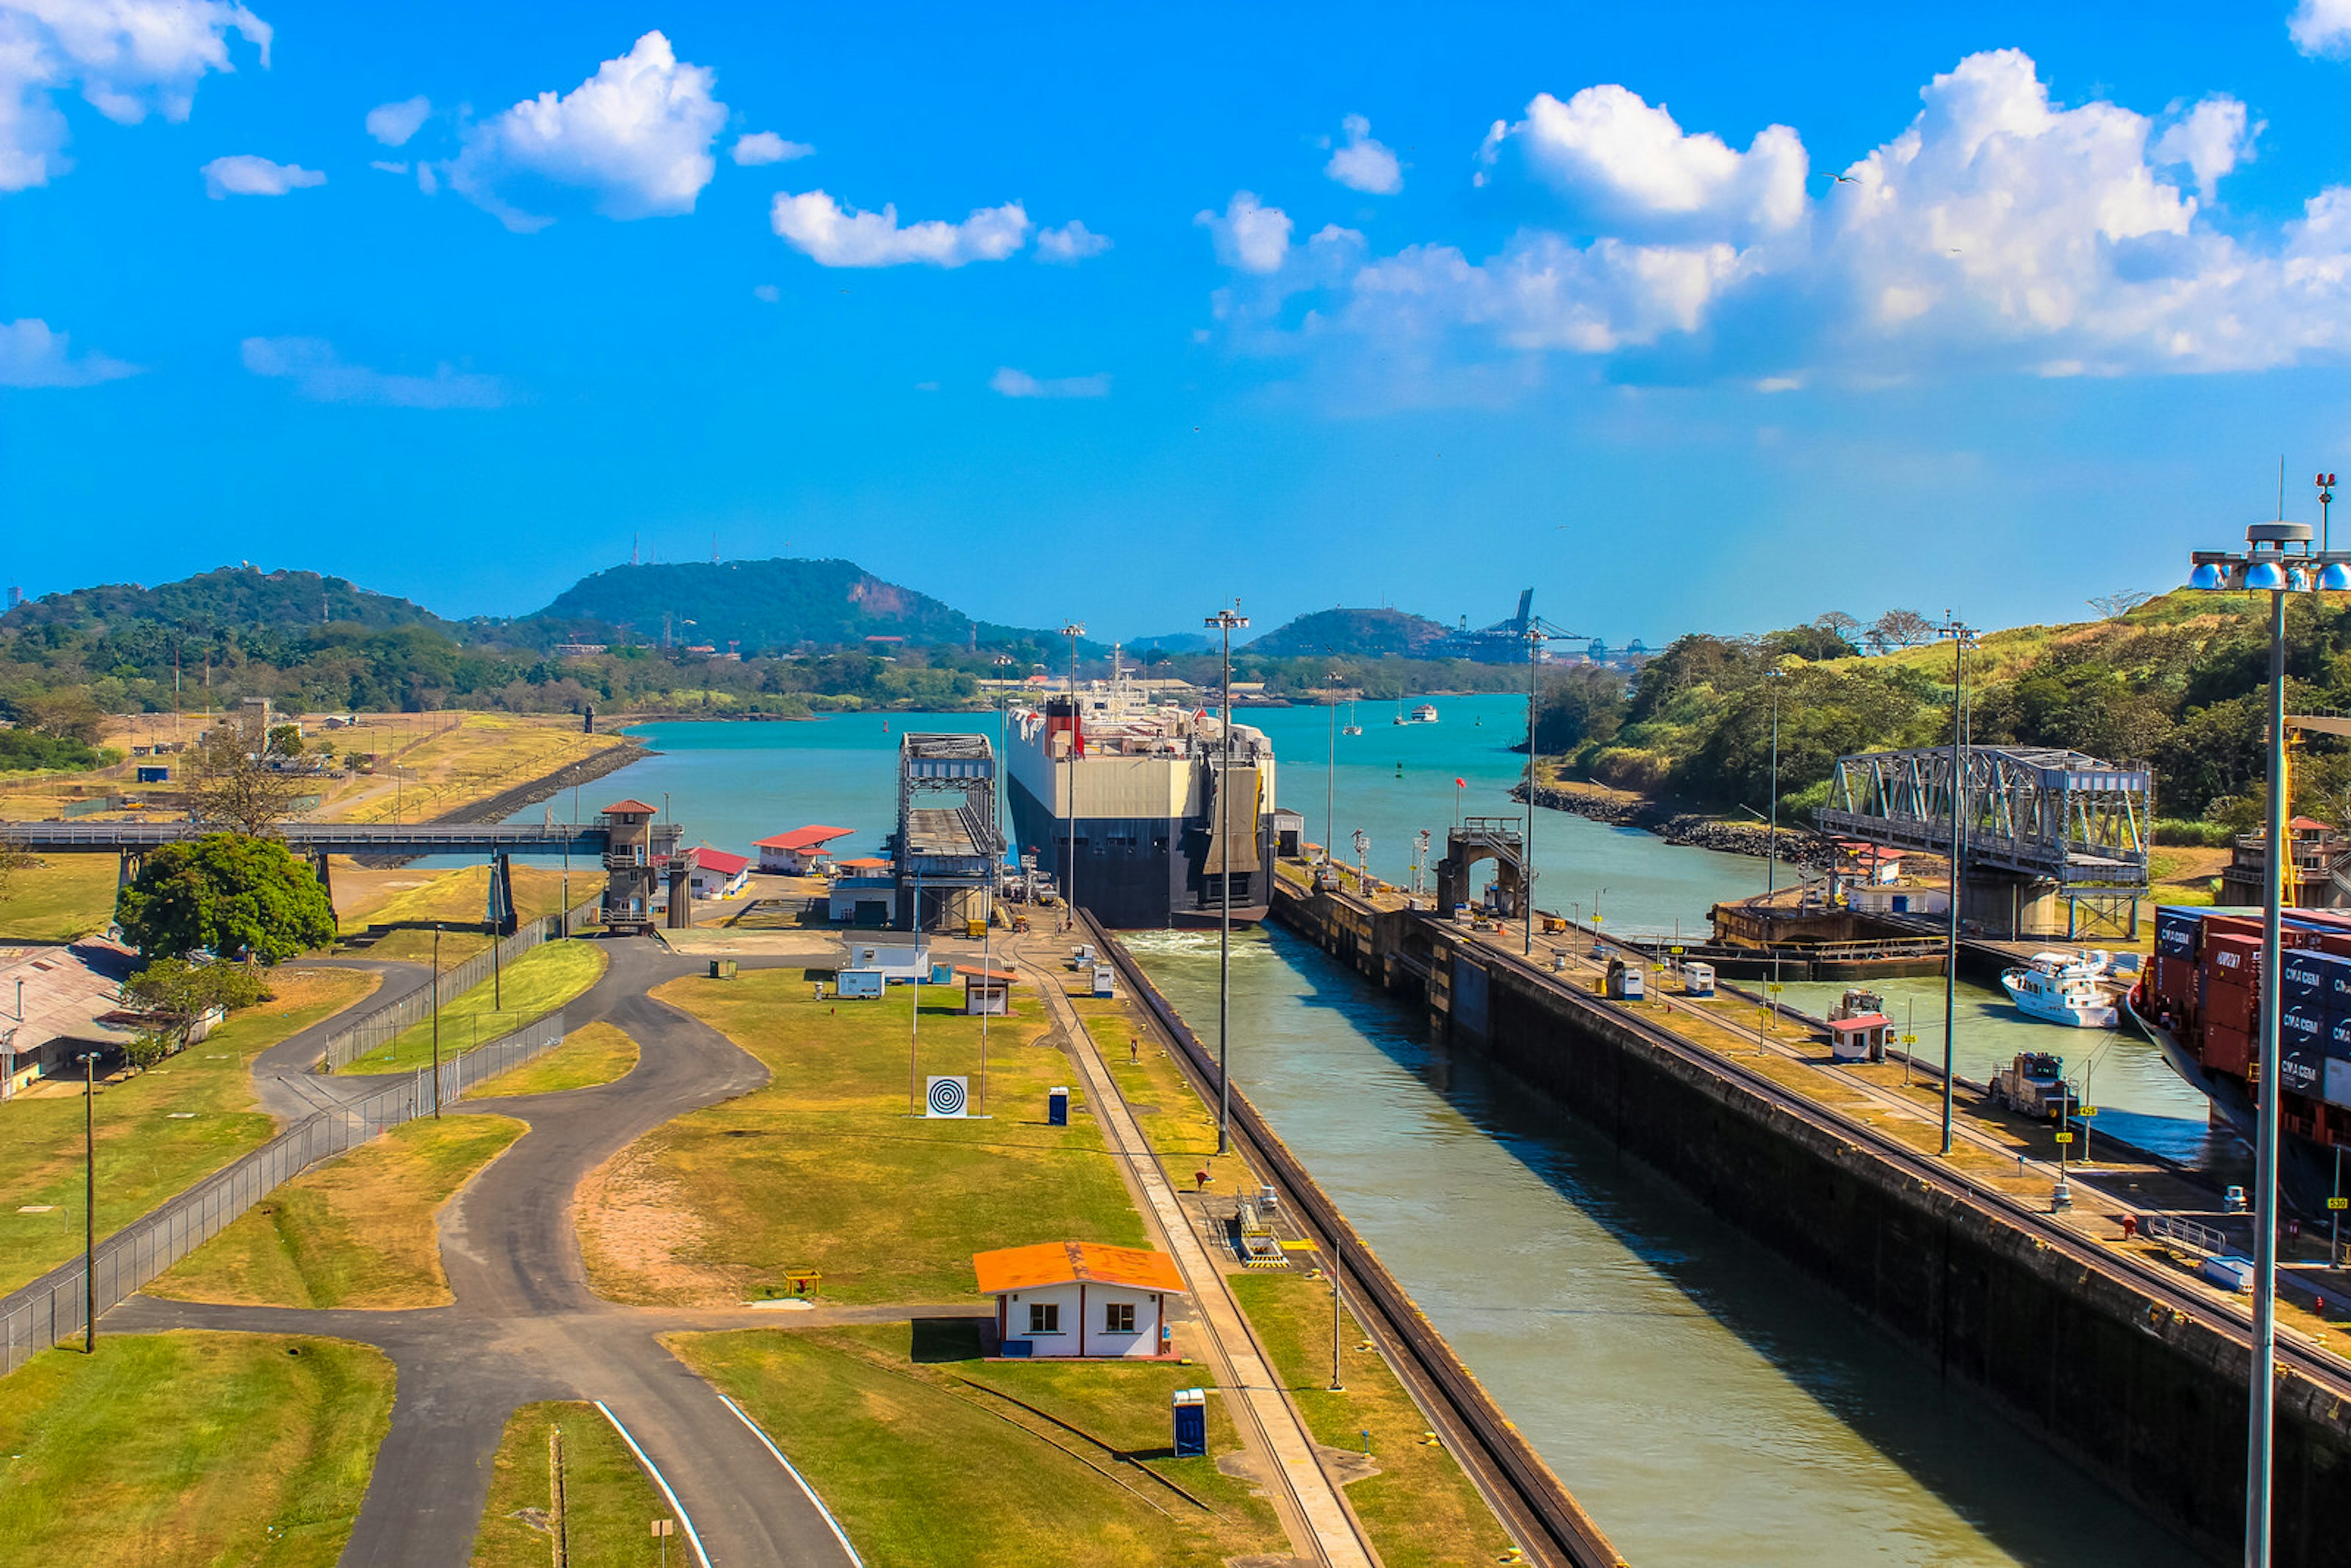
{"x": 1709, "y": 1405}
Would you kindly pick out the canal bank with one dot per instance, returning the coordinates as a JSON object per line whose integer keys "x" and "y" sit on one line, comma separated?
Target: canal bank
{"x": 2133, "y": 1377}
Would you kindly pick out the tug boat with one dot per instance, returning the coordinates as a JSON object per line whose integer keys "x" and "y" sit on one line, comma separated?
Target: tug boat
{"x": 2062, "y": 988}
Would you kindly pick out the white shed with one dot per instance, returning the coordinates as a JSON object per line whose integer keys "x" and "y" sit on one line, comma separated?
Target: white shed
{"x": 899, "y": 955}
{"x": 1079, "y": 1299}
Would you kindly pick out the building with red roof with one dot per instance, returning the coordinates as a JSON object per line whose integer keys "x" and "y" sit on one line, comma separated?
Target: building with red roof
{"x": 717, "y": 875}
{"x": 798, "y": 852}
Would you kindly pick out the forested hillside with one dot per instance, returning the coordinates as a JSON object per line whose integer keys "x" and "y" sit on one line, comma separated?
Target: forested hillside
{"x": 2175, "y": 682}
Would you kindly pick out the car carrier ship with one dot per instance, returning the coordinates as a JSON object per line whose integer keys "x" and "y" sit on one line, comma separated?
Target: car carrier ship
{"x": 2201, "y": 1002}
{"x": 1133, "y": 787}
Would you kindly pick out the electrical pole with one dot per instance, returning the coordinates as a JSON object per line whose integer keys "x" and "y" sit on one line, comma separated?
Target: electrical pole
{"x": 1224, "y": 621}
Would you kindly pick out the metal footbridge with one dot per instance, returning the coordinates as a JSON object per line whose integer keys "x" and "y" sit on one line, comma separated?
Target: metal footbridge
{"x": 588, "y": 840}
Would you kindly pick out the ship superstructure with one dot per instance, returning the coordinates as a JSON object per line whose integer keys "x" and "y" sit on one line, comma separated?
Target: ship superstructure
{"x": 1133, "y": 786}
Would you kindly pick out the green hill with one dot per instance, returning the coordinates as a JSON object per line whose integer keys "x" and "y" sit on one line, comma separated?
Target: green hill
{"x": 228, "y": 599}
{"x": 761, "y": 604}
{"x": 1352, "y": 633}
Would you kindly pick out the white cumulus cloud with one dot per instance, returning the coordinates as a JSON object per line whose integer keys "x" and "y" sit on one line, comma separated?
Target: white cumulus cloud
{"x": 246, "y": 175}
{"x": 1071, "y": 243}
{"x": 832, "y": 236}
{"x": 1020, "y": 383}
{"x": 320, "y": 374}
{"x": 393, "y": 123}
{"x": 1248, "y": 235}
{"x": 638, "y": 133}
{"x": 767, "y": 147}
{"x": 31, "y": 355}
{"x": 2321, "y": 27}
{"x": 1361, "y": 164}
{"x": 1630, "y": 164}
{"x": 128, "y": 58}
{"x": 2211, "y": 139}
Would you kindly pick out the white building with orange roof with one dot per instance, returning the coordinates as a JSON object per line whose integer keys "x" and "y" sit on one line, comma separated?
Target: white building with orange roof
{"x": 1079, "y": 1299}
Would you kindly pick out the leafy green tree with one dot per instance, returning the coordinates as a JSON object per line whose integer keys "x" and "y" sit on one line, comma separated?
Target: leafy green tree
{"x": 239, "y": 897}
{"x": 175, "y": 995}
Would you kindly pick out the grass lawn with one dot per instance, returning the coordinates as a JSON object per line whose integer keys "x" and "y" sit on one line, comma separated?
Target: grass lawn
{"x": 71, "y": 897}
{"x": 824, "y": 1170}
{"x": 1420, "y": 1507}
{"x": 193, "y": 1449}
{"x": 158, "y": 1132}
{"x": 357, "y": 1231}
{"x": 1168, "y": 1109}
{"x": 539, "y": 982}
{"x": 592, "y": 1054}
{"x": 609, "y": 1503}
{"x": 919, "y": 1468}
{"x": 462, "y": 898}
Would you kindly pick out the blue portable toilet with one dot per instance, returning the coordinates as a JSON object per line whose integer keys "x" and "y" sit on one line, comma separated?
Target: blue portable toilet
{"x": 1057, "y": 1107}
{"x": 941, "y": 974}
{"x": 1191, "y": 1423}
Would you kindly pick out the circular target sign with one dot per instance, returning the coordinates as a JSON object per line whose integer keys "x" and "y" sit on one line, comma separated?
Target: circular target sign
{"x": 947, "y": 1096}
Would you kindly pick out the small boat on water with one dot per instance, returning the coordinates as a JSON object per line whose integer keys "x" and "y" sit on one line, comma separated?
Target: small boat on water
{"x": 2063, "y": 988}
{"x": 1425, "y": 713}
{"x": 1351, "y": 726}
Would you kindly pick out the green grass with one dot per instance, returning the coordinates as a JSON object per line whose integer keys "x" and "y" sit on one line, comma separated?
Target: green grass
{"x": 592, "y": 1054}
{"x": 537, "y": 983}
{"x": 71, "y": 897}
{"x": 824, "y": 1168}
{"x": 1420, "y": 1507}
{"x": 918, "y": 1468}
{"x": 358, "y": 1231}
{"x": 166, "y": 1450}
{"x": 158, "y": 1132}
{"x": 608, "y": 1505}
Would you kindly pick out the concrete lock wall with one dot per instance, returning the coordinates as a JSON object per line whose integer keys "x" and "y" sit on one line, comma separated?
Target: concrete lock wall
{"x": 2150, "y": 1400}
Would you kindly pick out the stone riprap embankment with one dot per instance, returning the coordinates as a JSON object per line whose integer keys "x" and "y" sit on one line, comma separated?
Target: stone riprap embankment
{"x": 1799, "y": 845}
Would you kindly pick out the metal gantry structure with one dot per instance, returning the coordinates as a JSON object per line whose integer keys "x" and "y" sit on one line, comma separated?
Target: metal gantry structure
{"x": 2035, "y": 813}
{"x": 949, "y": 842}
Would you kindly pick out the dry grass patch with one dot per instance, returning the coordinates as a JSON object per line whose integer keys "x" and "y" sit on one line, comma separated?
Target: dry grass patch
{"x": 460, "y": 897}
{"x": 608, "y": 1505}
{"x": 65, "y": 897}
{"x": 592, "y": 1054}
{"x": 360, "y": 1231}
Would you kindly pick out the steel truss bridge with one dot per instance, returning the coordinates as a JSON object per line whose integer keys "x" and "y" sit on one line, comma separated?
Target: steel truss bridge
{"x": 588, "y": 840}
{"x": 2069, "y": 822}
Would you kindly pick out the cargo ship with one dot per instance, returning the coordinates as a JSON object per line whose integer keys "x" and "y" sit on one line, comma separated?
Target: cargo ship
{"x": 2199, "y": 1001}
{"x": 1134, "y": 787}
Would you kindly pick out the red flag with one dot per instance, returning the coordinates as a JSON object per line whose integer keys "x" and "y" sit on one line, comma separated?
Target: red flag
{"x": 1461, "y": 783}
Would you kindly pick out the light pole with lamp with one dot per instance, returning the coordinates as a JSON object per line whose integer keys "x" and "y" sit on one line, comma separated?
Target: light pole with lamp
{"x": 1773, "y": 677}
{"x": 1224, "y": 621}
{"x": 2277, "y": 561}
{"x": 2325, "y": 504}
{"x": 89, "y": 1202}
{"x": 1330, "y": 782}
{"x": 1073, "y": 630}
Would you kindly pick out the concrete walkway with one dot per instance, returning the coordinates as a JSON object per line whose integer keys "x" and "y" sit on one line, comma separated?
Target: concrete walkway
{"x": 1320, "y": 1524}
{"x": 525, "y": 1326}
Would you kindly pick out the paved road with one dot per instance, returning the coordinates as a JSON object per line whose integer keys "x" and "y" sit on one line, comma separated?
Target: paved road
{"x": 525, "y": 1326}
{"x": 282, "y": 1080}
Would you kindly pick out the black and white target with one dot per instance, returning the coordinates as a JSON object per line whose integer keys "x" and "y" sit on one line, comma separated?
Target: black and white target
{"x": 949, "y": 1096}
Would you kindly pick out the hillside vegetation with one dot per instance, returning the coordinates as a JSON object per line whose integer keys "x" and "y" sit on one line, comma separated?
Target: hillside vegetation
{"x": 1360, "y": 634}
{"x": 2176, "y": 683}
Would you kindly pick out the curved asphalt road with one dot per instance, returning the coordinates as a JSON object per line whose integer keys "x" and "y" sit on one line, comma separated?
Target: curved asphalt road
{"x": 525, "y": 1326}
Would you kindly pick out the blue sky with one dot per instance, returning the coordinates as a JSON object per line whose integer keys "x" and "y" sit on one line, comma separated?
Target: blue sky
{"x": 1303, "y": 307}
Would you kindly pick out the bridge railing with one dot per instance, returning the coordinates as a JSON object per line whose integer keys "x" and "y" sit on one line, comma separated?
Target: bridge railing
{"x": 52, "y": 1309}
{"x": 373, "y": 1030}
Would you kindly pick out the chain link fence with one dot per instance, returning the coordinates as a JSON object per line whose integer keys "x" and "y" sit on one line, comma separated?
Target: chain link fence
{"x": 373, "y": 1030}
{"x": 51, "y": 1308}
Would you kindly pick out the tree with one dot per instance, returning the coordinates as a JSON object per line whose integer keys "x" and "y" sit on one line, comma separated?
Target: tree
{"x": 68, "y": 714}
{"x": 232, "y": 789}
{"x": 2115, "y": 606}
{"x": 229, "y": 894}
{"x": 1900, "y": 629}
{"x": 175, "y": 995}
{"x": 1838, "y": 623}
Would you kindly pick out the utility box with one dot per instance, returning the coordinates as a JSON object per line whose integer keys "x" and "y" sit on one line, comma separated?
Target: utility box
{"x": 154, "y": 775}
{"x": 1057, "y": 1107}
{"x": 941, "y": 974}
{"x": 721, "y": 969}
{"x": 1624, "y": 981}
{"x": 1105, "y": 981}
{"x": 857, "y": 985}
{"x": 1191, "y": 1407}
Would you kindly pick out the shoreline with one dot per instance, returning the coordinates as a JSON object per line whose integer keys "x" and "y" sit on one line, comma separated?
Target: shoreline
{"x": 547, "y": 786}
{"x": 1799, "y": 845}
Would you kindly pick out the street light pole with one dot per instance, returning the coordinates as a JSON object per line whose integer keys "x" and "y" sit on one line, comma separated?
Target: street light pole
{"x": 1073, "y": 630}
{"x": 1224, "y": 620}
{"x": 436, "y": 1020}
{"x": 2278, "y": 561}
{"x": 1961, "y": 636}
{"x": 1771, "y": 833}
{"x": 1330, "y": 784}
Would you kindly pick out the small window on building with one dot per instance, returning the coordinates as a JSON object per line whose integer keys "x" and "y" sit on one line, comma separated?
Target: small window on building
{"x": 1044, "y": 1317}
{"x": 1118, "y": 1317}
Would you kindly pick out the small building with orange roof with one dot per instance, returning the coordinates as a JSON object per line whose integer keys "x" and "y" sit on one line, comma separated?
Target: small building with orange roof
{"x": 1067, "y": 1298}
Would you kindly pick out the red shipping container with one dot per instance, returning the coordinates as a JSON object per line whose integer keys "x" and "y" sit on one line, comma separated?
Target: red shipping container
{"x": 2229, "y": 1050}
{"x": 2175, "y": 982}
{"x": 2229, "y": 1007}
{"x": 2231, "y": 959}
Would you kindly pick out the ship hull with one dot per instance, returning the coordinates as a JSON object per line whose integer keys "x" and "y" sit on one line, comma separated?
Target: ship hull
{"x": 2305, "y": 1168}
{"x": 1138, "y": 873}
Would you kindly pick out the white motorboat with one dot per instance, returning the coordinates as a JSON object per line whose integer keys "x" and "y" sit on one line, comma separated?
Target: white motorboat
{"x": 1425, "y": 713}
{"x": 2062, "y": 988}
